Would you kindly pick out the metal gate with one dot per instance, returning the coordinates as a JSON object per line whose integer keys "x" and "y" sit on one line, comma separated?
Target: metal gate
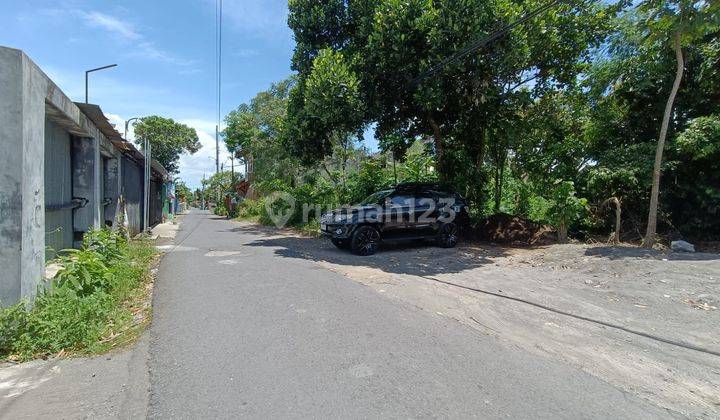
{"x": 58, "y": 190}
{"x": 132, "y": 191}
{"x": 156, "y": 202}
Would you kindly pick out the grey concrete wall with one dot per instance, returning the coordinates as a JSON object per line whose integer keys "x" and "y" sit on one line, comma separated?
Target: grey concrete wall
{"x": 22, "y": 145}
{"x": 30, "y": 102}
{"x": 11, "y": 127}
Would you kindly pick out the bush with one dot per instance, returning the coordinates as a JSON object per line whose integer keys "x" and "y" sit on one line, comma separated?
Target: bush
{"x": 316, "y": 197}
{"x": 250, "y": 209}
{"x": 220, "y": 210}
{"x": 86, "y": 301}
{"x": 566, "y": 208}
{"x": 371, "y": 177}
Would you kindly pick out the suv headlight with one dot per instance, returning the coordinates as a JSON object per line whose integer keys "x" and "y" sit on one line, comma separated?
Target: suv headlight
{"x": 341, "y": 217}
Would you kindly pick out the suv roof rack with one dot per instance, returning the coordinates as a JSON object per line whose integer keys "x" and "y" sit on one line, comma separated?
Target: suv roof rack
{"x": 414, "y": 186}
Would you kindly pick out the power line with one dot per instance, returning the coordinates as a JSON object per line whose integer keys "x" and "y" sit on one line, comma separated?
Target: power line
{"x": 480, "y": 43}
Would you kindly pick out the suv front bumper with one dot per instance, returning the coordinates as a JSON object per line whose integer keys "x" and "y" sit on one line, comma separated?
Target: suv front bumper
{"x": 336, "y": 230}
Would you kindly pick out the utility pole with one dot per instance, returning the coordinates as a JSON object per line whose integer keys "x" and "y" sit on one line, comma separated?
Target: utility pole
{"x": 202, "y": 194}
{"x": 217, "y": 151}
{"x": 218, "y": 50}
{"x": 218, "y": 39}
{"x": 87, "y": 72}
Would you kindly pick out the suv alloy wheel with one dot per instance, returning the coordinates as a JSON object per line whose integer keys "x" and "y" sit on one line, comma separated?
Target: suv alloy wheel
{"x": 365, "y": 240}
{"x": 447, "y": 235}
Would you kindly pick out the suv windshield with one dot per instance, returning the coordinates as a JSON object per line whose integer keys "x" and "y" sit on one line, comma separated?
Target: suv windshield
{"x": 376, "y": 198}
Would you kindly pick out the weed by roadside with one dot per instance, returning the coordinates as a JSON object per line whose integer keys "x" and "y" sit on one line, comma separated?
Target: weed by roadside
{"x": 96, "y": 302}
{"x": 254, "y": 211}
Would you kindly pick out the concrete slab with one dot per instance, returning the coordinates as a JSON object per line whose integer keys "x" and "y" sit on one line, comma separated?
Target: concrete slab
{"x": 166, "y": 230}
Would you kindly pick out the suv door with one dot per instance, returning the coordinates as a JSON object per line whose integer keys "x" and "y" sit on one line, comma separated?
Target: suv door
{"x": 397, "y": 211}
{"x": 451, "y": 208}
{"x": 425, "y": 212}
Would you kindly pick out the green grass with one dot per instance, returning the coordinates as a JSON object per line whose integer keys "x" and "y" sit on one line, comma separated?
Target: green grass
{"x": 98, "y": 301}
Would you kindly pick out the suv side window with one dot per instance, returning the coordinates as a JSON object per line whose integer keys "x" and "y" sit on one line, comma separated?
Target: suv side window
{"x": 425, "y": 198}
{"x": 401, "y": 200}
{"x": 445, "y": 196}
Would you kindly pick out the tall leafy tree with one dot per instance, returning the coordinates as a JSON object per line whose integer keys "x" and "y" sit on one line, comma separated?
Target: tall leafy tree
{"x": 387, "y": 44}
{"x": 168, "y": 139}
{"x": 627, "y": 92}
{"x": 674, "y": 22}
{"x": 255, "y": 132}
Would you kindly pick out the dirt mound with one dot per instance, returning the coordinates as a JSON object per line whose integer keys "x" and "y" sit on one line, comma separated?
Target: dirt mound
{"x": 508, "y": 229}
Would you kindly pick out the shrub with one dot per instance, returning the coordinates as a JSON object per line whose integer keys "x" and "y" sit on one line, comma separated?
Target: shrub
{"x": 250, "y": 209}
{"x": 84, "y": 271}
{"x": 566, "y": 207}
{"x": 85, "y": 301}
{"x": 371, "y": 177}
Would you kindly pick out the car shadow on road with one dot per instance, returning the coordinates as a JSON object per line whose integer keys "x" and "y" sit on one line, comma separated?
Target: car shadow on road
{"x": 623, "y": 252}
{"x": 420, "y": 259}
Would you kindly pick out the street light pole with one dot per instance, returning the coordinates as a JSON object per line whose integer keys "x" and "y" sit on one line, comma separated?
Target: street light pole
{"x": 87, "y": 72}
{"x": 148, "y": 174}
{"x": 127, "y": 124}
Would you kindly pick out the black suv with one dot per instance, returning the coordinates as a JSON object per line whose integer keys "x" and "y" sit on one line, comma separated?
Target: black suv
{"x": 407, "y": 212}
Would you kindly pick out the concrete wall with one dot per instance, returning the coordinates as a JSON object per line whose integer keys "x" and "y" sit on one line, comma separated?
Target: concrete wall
{"x": 22, "y": 199}
{"x": 30, "y": 104}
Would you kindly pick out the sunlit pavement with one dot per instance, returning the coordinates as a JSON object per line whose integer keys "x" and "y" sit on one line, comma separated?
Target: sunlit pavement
{"x": 241, "y": 331}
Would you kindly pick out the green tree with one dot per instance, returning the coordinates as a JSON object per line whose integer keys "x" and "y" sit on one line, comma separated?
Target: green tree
{"x": 626, "y": 91}
{"x": 325, "y": 108}
{"x": 387, "y": 44}
{"x": 183, "y": 191}
{"x": 255, "y": 132}
{"x": 678, "y": 22}
{"x": 566, "y": 207}
{"x": 168, "y": 139}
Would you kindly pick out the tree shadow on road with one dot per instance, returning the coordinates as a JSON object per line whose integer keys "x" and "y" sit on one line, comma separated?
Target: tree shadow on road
{"x": 420, "y": 259}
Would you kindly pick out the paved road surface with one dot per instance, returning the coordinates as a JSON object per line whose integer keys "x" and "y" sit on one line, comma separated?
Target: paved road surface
{"x": 240, "y": 330}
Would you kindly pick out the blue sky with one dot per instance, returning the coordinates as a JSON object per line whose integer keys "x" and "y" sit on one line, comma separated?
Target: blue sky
{"x": 165, "y": 51}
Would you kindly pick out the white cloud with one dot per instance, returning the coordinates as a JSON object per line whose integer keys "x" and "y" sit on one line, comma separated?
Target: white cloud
{"x": 119, "y": 123}
{"x": 100, "y": 20}
{"x": 146, "y": 49}
{"x": 126, "y": 32}
{"x": 193, "y": 167}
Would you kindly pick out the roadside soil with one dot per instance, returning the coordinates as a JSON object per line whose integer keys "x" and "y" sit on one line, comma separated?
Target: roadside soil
{"x": 642, "y": 320}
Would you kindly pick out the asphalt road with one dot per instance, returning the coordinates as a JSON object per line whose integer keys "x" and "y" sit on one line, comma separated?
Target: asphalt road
{"x": 243, "y": 328}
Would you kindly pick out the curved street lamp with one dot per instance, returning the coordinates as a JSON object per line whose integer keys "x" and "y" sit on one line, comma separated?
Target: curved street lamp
{"x": 87, "y": 72}
{"x": 127, "y": 125}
